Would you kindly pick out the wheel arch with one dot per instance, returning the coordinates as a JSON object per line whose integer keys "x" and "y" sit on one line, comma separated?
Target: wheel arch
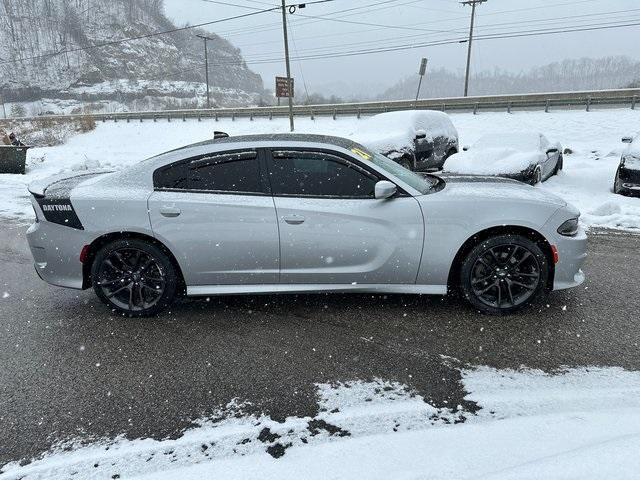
{"x": 107, "y": 238}
{"x": 453, "y": 282}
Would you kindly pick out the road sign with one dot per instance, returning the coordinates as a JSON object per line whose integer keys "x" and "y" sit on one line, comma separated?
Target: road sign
{"x": 423, "y": 67}
{"x": 282, "y": 88}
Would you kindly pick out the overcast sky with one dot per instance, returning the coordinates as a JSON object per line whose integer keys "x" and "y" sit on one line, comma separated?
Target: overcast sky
{"x": 383, "y": 23}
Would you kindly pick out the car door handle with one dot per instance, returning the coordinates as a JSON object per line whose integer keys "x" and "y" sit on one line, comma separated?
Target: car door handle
{"x": 170, "y": 211}
{"x": 293, "y": 219}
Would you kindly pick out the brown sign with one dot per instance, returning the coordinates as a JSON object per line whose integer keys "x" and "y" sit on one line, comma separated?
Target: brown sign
{"x": 282, "y": 87}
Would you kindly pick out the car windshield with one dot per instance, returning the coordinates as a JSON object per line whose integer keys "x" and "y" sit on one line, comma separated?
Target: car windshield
{"x": 420, "y": 183}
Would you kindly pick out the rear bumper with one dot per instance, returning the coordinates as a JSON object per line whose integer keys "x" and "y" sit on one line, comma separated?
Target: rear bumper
{"x": 573, "y": 253}
{"x": 56, "y": 253}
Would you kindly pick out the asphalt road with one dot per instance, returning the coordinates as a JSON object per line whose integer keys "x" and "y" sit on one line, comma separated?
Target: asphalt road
{"x": 68, "y": 366}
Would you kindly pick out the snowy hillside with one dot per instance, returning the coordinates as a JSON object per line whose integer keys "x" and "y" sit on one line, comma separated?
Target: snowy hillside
{"x": 166, "y": 69}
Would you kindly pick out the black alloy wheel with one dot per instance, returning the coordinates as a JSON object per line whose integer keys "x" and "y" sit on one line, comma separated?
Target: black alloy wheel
{"x": 134, "y": 277}
{"x": 504, "y": 274}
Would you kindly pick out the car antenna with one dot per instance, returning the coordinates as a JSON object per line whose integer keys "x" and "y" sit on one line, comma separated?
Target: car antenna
{"x": 218, "y": 134}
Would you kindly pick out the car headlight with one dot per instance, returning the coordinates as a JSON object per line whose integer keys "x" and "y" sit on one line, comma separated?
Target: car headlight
{"x": 569, "y": 228}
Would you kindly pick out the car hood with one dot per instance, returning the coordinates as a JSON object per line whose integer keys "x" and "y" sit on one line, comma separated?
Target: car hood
{"x": 492, "y": 161}
{"x": 496, "y": 188}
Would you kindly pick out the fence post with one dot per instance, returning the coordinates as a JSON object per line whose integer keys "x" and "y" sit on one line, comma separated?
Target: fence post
{"x": 169, "y": 118}
{"x": 475, "y": 108}
{"x": 154, "y": 119}
{"x": 546, "y": 106}
{"x": 312, "y": 117}
{"x": 633, "y": 103}
{"x": 140, "y": 118}
{"x": 115, "y": 119}
{"x": 184, "y": 117}
{"x": 127, "y": 119}
{"x": 335, "y": 113}
{"x": 509, "y": 107}
{"x": 588, "y": 104}
{"x": 199, "y": 117}
{"x": 233, "y": 117}
{"x": 251, "y": 117}
{"x": 270, "y": 115}
{"x": 444, "y": 107}
{"x": 359, "y": 112}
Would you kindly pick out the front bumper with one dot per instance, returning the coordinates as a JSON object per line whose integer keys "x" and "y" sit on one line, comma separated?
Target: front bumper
{"x": 56, "y": 253}
{"x": 573, "y": 253}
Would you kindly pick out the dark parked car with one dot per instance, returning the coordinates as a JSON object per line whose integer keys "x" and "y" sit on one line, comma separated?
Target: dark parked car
{"x": 526, "y": 156}
{"x": 627, "y": 180}
{"x": 418, "y": 140}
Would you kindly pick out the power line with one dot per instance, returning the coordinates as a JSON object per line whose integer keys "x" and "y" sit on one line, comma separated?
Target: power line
{"x": 450, "y": 41}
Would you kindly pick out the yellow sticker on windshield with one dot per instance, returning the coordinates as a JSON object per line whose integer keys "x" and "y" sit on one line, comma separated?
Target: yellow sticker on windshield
{"x": 361, "y": 153}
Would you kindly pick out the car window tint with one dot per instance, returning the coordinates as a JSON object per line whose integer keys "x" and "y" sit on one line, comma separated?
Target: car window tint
{"x": 319, "y": 174}
{"x": 174, "y": 176}
{"x": 235, "y": 172}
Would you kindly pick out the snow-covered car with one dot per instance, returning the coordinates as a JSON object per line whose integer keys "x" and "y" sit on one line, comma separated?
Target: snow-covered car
{"x": 298, "y": 213}
{"x": 526, "y": 156}
{"x": 416, "y": 139}
{"x": 627, "y": 180}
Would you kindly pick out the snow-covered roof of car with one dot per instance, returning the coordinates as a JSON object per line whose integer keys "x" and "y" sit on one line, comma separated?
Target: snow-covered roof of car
{"x": 391, "y": 131}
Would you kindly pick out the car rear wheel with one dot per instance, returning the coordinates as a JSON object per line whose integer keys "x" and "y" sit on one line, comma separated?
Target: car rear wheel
{"x": 504, "y": 274}
{"x": 134, "y": 277}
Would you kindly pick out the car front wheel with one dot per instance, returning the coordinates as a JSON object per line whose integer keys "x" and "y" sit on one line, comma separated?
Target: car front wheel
{"x": 134, "y": 277}
{"x": 504, "y": 274}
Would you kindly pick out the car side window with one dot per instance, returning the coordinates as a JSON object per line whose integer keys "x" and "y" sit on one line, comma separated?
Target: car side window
{"x": 235, "y": 172}
{"x": 319, "y": 174}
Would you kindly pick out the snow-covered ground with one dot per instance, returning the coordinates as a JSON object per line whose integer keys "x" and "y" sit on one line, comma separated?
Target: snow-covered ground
{"x": 576, "y": 424}
{"x": 586, "y": 181}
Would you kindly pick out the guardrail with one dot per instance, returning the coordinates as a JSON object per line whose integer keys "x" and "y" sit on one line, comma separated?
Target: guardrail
{"x": 586, "y": 100}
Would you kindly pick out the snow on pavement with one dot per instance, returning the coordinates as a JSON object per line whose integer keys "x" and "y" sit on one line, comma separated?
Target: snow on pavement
{"x": 578, "y": 423}
{"x": 586, "y": 181}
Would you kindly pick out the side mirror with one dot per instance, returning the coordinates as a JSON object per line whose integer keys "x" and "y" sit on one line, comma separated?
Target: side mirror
{"x": 465, "y": 148}
{"x": 385, "y": 189}
{"x": 421, "y": 134}
{"x": 627, "y": 139}
{"x": 552, "y": 150}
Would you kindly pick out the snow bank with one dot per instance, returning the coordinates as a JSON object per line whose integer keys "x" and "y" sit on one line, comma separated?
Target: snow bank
{"x": 396, "y": 131}
{"x": 578, "y": 423}
{"x": 491, "y": 161}
{"x": 586, "y": 181}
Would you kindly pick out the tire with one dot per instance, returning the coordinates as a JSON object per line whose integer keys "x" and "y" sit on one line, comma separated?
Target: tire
{"x": 504, "y": 274}
{"x": 617, "y": 187}
{"x": 134, "y": 277}
{"x": 536, "y": 177}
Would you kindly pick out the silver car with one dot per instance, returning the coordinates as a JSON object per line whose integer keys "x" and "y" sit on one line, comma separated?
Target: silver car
{"x": 299, "y": 213}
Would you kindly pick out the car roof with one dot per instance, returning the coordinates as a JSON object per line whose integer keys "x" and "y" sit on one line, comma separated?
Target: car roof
{"x": 278, "y": 137}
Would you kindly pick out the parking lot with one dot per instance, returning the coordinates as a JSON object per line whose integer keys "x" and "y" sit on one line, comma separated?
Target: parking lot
{"x": 71, "y": 368}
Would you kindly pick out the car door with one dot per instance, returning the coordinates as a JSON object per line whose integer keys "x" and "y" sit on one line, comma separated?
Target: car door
{"x": 216, "y": 214}
{"x": 332, "y": 228}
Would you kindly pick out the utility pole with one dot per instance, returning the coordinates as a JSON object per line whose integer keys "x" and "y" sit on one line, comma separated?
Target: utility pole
{"x": 286, "y": 57}
{"x": 473, "y": 4}
{"x": 206, "y": 66}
